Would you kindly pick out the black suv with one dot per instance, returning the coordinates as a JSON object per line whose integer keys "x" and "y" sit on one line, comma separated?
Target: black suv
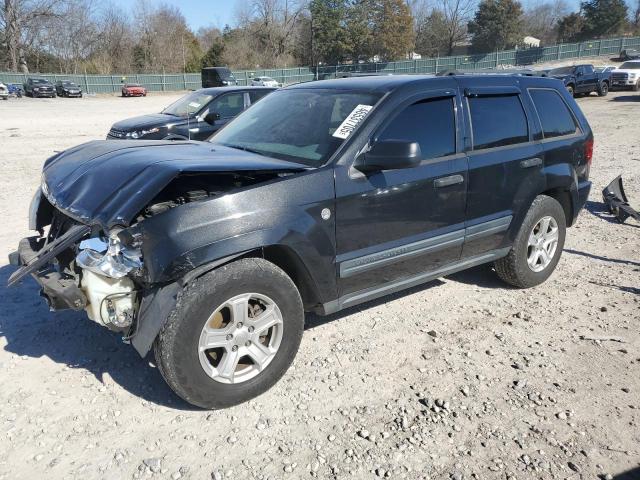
{"x": 67, "y": 88}
{"x": 322, "y": 196}
{"x": 217, "y": 77}
{"x": 39, "y": 87}
{"x": 195, "y": 116}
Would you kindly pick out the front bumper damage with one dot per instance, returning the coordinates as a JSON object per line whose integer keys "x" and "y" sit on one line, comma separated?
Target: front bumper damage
{"x": 616, "y": 200}
{"x": 34, "y": 258}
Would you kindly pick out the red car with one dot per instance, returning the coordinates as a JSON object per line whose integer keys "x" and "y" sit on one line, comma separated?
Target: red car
{"x": 134, "y": 90}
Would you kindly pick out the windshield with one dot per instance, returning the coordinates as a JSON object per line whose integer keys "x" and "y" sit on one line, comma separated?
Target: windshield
{"x": 132, "y": 85}
{"x": 299, "y": 125}
{"x": 39, "y": 80}
{"x": 562, "y": 71}
{"x": 69, "y": 84}
{"x": 630, "y": 66}
{"x": 189, "y": 105}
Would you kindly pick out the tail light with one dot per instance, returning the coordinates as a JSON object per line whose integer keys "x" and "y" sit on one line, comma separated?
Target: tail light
{"x": 588, "y": 151}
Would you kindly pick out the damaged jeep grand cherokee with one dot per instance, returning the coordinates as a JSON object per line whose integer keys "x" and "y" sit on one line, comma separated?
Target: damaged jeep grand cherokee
{"x": 320, "y": 197}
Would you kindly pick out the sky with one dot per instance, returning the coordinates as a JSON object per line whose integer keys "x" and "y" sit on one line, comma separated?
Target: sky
{"x": 199, "y": 13}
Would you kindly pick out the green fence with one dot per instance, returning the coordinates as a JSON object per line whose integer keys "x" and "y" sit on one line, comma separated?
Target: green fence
{"x": 191, "y": 81}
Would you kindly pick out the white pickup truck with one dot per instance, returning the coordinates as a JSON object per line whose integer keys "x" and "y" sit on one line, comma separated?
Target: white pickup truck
{"x": 4, "y": 91}
{"x": 626, "y": 76}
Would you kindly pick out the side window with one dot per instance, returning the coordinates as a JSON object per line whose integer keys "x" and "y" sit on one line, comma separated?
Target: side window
{"x": 587, "y": 69}
{"x": 256, "y": 95}
{"x": 497, "y": 121}
{"x": 554, "y": 114}
{"x": 431, "y": 123}
{"x": 228, "y": 105}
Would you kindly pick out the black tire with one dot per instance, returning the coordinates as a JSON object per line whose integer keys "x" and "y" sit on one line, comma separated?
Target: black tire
{"x": 176, "y": 347}
{"x": 636, "y": 87}
{"x": 571, "y": 90}
{"x": 603, "y": 89}
{"x": 514, "y": 268}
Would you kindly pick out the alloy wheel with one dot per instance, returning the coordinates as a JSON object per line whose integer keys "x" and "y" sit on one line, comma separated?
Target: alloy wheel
{"x": 542, "y": 244}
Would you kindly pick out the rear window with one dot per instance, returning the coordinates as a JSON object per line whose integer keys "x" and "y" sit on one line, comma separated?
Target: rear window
{"x": 431, "y": 123}
{"x": 555, "y": 117}
{"x": 497, "y": 121}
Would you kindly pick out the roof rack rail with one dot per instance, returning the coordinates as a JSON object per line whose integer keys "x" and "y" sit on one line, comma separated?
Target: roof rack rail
{"x": 527, "y": 72}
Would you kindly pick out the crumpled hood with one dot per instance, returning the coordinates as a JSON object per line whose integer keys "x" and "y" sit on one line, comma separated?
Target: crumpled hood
{"x": 146, "y": 121}
{"x": 109, "y": 182}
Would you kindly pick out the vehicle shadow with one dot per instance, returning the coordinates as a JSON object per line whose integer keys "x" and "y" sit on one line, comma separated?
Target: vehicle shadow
{"x": 481, "y": 276}
{"x": 633, "y": 474}
{"x": 70, "y": 338}
{"x": 622, "y": 288}
{"x": 604, "y": 259}
{"x": 626, "y": 98}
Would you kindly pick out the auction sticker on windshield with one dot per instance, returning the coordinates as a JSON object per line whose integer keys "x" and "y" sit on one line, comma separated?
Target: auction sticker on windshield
{"x": 352, "y": 121}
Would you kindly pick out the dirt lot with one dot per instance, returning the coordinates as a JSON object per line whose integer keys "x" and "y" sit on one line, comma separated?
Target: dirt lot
{"x": 463, "y": 378}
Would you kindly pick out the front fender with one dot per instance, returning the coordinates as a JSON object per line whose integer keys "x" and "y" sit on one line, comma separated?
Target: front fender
{"x": 285, "y": 212}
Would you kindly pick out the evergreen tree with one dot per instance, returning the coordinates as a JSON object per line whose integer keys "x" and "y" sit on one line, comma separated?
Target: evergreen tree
{"x": 604, "y": 18}
{"x": 497, "y": 25}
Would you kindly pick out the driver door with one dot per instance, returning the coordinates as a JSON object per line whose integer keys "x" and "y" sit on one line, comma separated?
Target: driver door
{"x": 393, "y": 226}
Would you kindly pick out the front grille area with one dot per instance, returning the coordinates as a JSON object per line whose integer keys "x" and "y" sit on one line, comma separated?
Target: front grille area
{"x": 619, "y": 77}
{"x": 116, "y": 134}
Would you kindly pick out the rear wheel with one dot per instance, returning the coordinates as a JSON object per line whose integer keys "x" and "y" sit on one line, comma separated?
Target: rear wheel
{"x": 233, "y": 334}
{"x": 537, "y": 247}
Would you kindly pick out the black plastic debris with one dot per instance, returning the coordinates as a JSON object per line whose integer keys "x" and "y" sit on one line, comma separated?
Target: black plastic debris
{"x": 614, "y": 197}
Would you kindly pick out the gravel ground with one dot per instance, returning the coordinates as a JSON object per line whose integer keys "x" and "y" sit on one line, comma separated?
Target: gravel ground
{"x": 463, "y": 378}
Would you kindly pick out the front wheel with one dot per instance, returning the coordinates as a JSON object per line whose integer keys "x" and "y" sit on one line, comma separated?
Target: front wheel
{"x": 636, "y": 87}
{"x": 603, "y": 90}
{"x": 233, "y": 334}
{"x": 537, "y": 247}
{"x": 571, "y": 90}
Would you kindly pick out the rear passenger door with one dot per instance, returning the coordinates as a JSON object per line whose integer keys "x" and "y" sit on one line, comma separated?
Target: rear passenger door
{"x": 505, "y": 164}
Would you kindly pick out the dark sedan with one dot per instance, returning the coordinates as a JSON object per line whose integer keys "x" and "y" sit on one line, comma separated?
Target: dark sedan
{"x": 65, "y": 88}
{"x": 195, "y": 116}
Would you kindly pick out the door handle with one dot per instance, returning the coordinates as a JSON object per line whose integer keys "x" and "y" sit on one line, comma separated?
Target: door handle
{"x": 531, "y": 162}
{"x": 448, "y": 181}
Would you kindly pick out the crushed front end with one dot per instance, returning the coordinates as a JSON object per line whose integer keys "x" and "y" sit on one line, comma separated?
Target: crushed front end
{"x": 79, "y": 267}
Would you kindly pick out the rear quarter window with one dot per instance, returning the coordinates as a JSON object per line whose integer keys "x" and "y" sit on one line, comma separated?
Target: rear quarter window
{"x": 497, "y": 121}
{"x": 555, "y": 117}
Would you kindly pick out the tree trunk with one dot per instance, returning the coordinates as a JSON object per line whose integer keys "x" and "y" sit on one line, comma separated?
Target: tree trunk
{"x": 12, "y": 34}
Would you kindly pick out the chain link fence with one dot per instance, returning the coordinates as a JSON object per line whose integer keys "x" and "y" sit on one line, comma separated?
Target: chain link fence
{"x": 286, "y": 76}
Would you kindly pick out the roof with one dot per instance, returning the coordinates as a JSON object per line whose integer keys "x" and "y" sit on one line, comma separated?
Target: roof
{"x": 234, "y": 88}
{"x": 380, "y": 83}
{"x": 386, "y": 83}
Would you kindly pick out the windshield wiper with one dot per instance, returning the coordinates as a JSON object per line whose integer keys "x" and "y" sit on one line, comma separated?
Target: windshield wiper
{"x": 245, "y": 149}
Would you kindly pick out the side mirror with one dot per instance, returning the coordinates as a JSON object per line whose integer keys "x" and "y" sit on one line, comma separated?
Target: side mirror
{"x": 390, "y": 155}
{"x": 211, "y": 117}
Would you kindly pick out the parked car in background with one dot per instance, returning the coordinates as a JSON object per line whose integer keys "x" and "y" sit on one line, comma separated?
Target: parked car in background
{"x": 630, "y": 54}
{"x": 16, "y": 90}
{"x": 264, "y": 82}
{"x": 66, "y": 88}
{"x": 604, "y": 68}
{"x": 39, "y": 87}
{"x": 133, "y": 90}
{"x": 320, "y": 197}
{"x": 626, "y": 76}
{"x": 217, "y": 77}
{"x": 582, "y": 79}
{"x": 4, "y": 92}
{"x": 195, "y": 116}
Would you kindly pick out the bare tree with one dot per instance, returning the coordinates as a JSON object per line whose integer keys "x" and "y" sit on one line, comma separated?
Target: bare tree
{"x": 22, "y": 22}
{"x": 541, "y": 19}
{"x": 440, "y": 29}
